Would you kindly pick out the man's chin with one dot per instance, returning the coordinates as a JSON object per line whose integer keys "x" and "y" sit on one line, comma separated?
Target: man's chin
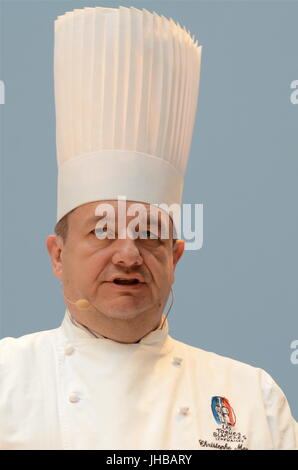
{"x": 124, "y": 314}
{"x": 126, "y": 307}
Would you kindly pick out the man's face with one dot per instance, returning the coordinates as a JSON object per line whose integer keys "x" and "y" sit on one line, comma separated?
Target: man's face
{"x": 88, "y": 264}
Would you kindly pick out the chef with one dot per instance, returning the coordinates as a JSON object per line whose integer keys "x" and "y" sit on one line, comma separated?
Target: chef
{"x": 110, "y": 376}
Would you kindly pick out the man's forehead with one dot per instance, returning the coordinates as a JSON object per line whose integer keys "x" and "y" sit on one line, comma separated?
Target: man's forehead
{"x": 91, "y": 212}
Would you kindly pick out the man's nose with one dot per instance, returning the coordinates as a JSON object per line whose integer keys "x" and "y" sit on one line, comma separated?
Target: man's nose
{"x": 127, "y": 253}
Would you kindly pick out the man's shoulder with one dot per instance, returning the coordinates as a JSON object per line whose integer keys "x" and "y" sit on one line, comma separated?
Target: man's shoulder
{"x": 216, "y": 362}
{"x": 13, "y": 347}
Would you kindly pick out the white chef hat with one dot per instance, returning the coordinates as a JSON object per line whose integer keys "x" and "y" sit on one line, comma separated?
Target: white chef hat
{"x": 126, "y": 88}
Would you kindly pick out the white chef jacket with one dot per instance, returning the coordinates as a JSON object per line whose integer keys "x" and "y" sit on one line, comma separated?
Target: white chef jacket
{"x": 67, "y": 389}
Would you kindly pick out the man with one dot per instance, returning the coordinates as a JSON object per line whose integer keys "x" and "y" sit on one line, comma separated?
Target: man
{"x": 100, "y": 270}
{"x": 111, "y": 377}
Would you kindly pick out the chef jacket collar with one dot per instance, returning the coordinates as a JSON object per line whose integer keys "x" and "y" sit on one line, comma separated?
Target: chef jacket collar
{"x": 75, "y": 330}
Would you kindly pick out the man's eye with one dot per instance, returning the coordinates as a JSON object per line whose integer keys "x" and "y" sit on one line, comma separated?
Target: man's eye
{"x": 99, "y": 231}
{"x": 149, "y": 234}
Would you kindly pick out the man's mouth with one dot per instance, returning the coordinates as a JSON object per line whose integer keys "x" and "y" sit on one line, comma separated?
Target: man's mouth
{"x": 125, "y": 282}
{"x": 128, "y": 284}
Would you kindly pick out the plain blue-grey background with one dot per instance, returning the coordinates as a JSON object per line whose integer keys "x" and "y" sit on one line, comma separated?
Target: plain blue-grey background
{"x": 237, "y": 296}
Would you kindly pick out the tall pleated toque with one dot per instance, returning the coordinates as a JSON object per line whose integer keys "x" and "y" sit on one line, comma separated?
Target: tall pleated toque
{"x": 126, "y": 90}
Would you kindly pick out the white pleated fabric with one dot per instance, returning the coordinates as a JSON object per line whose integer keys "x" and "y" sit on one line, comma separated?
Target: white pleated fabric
{"x": 126, "y": 90}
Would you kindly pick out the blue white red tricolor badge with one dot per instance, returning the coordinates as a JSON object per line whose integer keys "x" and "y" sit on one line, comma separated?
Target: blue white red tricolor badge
{"x": 222, "y": 411}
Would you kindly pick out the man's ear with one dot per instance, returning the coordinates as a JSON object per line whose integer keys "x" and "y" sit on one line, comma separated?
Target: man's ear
{"x": 54, "y": 246}
{"x": 178, "y": 249}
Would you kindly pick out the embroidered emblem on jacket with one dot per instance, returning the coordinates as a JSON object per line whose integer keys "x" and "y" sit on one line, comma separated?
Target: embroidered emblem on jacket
{"x": 226, "y": 436}
{"x": 222, "y": 411}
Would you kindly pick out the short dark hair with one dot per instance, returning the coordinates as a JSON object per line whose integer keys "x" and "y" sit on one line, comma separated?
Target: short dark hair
{"x": 61, "y": 228}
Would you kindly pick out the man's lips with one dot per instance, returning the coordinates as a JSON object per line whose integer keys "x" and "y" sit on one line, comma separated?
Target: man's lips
{"x": 123, "y": 277}
{"x": 135, "y": 286}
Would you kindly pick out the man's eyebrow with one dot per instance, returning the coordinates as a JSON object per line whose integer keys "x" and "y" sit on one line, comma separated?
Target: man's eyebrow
{"x": 97, "y": 218}
{"x": 94, "y": 218}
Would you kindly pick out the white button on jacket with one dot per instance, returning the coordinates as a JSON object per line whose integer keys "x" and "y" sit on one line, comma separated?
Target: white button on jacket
{"x": 73, "y": 398}
{"x": 69, "y": 350}
{"x": 67, "y": 389}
